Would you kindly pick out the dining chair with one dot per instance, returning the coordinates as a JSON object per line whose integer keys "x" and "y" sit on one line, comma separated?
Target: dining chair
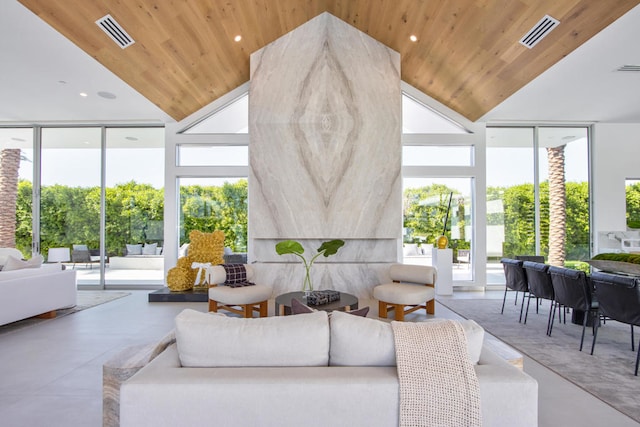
{"x": 572, "y": 289}
{"x": 619, "y": 299}
{"x": 540, "y": 286}
{"x": 516, "y": 280}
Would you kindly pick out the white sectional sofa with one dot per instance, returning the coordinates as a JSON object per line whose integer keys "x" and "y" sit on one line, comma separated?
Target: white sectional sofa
{"x": 299, "y": 370}
{"x": 34, "y": 291}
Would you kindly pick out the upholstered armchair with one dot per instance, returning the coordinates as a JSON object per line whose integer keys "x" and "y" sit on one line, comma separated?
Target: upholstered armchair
{"x": 413, "y": 288}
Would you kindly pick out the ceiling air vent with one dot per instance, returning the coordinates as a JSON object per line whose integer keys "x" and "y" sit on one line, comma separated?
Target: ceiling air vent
{"x": 635, "y": 68}
{"x": 539, "y": 31}
{"x": 115, "y": 31}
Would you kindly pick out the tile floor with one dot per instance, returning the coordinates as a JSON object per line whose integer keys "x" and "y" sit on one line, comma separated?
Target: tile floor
{"x": 51, "y": 374}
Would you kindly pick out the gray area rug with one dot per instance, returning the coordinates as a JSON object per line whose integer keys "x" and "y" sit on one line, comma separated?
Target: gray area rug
{"x": 86, "y": 299}
{"x": 608, "y": 374}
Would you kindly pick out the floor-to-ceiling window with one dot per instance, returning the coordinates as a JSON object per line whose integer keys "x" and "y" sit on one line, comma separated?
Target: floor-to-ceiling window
{"x": 70, "y": 196}
{"x": 438, "y": 187}
{"x": 134, "y": 197}
{"x": 75, "y": 175}
{"x": 537, "y": 195}
{"x": 209, "y": 204}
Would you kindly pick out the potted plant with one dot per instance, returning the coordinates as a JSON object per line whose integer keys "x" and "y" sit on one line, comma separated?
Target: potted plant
{"x": 327, "y": 249}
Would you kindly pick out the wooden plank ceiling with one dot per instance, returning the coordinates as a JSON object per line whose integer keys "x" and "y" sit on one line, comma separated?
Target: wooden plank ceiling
{"x": 467, "y": 55}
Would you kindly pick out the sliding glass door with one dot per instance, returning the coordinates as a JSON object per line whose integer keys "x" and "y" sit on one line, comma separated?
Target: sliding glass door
{"x": 70, "y": 197}
{"x": 83, "y": 195}
{"x": 134, "y": 197}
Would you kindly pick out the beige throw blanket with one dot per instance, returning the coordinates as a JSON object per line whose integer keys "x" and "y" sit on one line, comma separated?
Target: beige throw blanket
{"x": 438, "y": 385}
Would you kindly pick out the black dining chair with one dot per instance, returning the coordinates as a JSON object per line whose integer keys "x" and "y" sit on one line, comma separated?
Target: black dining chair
{"x": 572, "y": 288}
{"x": 516, "y": 280}
{"x": 618, "y": 299}
{"x": 540, "y": 286}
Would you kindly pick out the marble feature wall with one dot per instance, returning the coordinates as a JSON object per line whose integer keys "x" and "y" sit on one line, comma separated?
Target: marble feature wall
{"x": 325, "y": 124}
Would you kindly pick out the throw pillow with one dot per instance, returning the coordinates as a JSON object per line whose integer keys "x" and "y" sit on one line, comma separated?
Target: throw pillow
{"x": 359, "y": 341}
{"x": 134, "y": 249}
{"x": 13, "y": 263}
{"x": 299, "y": 308}
{"x": 236, "y": 275}
{"x": 149, "y": 249}
{"x": 18, "y": 264}
{"x": 35, "y": 261}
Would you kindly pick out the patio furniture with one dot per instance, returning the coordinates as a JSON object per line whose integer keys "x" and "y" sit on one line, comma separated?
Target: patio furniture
{"x": 81, "y": 254}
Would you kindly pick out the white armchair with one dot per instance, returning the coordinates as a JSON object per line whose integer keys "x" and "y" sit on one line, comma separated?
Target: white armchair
{"x": 243, "y": 300}
{"x": 413, "y": 286}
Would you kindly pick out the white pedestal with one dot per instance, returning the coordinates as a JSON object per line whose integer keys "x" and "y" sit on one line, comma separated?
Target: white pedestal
{"x": 443, "y": 261}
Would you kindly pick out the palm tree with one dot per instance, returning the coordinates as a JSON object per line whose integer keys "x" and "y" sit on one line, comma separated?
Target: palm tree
{"x": 9, "y": 165}
{"x": 557, "y": 206}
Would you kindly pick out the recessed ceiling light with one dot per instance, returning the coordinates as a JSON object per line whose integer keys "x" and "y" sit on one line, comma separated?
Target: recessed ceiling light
{"x": 413, "y": 38}
{"x": 83, "y": 94}
{"x": 131, "y": 138}
{"x": 107, "y": 95}
{"x": 237, "y": 38}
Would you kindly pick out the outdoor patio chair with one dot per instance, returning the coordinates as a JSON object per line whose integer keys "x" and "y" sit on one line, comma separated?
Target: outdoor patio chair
{"x": 81, "y": 254}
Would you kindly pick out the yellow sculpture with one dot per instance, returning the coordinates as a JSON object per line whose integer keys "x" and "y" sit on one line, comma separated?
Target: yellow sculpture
{"x": 203, "y": 248}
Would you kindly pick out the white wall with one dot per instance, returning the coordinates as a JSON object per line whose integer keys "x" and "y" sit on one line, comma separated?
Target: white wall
{"x": 616, "y": 156}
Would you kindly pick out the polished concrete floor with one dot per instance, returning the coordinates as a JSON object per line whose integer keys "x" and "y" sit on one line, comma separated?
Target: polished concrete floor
{"x": 51, "y": 373}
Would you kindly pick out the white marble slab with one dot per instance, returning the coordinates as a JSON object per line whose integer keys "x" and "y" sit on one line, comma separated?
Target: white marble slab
{"x": 353, "y": 251}
{"x": 325, "y": 127}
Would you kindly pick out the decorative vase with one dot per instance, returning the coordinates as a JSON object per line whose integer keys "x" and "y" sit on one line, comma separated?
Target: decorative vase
{"x": 442, "y": 242}
{"x": 307, "y": 285}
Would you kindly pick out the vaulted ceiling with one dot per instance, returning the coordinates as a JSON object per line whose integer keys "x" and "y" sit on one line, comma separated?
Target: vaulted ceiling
{"x": 467, "y": 54}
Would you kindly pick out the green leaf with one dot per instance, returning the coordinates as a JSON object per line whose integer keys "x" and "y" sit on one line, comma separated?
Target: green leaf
{"x": 330, "y": 247}
{"x": 289, "y": 247}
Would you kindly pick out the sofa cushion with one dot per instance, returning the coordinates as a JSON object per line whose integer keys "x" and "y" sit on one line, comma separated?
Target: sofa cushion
{"x": 360, "y": 341}
{"x": 357, "y": 341}
{"x": 5, "y": 252}
{"x": 134, "y": 249}
{"x": 149, "y": 249}
{"x": 204, "y": 340}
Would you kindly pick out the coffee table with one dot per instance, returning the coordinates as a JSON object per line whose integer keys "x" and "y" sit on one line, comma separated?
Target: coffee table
{"x": 347, "y": 302}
